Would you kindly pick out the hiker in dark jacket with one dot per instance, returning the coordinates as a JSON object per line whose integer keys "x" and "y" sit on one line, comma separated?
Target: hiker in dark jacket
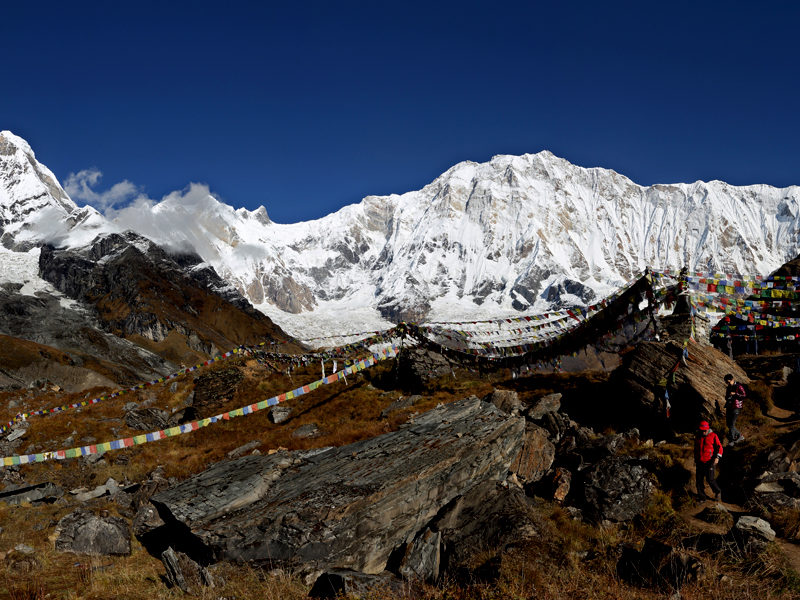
{"x": 734, "y": 400}
{"x": 707, "y": 452}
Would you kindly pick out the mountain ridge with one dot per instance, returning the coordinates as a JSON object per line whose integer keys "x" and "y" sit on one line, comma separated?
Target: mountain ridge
{"x": 515, "y": 234}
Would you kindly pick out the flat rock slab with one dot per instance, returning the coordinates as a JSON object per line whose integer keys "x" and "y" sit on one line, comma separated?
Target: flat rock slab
{"x": 41, "y": 492}
{"x": 346, "y": 507}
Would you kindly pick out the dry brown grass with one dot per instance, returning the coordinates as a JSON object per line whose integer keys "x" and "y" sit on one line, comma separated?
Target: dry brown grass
{"x": 554, "y": 568}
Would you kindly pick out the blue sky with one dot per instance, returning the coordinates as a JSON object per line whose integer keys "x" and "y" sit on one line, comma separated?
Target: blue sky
{"x": 307, "y": 107}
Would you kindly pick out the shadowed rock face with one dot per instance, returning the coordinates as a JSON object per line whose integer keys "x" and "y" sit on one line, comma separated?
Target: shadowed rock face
{"x": 346, "y": 507}
{"x": 695, "y": 388}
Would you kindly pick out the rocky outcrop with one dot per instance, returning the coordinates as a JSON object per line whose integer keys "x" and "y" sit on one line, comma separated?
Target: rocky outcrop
{"x": 694, "y": 384}
{"x": 618, "y": 489}
{"x": 418, "y": 367}
{"x": 347, "y": 507}
{"x": 83, "y": 532}
{"x": 213, "y": 388}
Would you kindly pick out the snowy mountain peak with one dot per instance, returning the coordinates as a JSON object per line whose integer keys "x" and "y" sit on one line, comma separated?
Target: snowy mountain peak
{"x": 34, "y": 208}
{"x": 516, "y": 233}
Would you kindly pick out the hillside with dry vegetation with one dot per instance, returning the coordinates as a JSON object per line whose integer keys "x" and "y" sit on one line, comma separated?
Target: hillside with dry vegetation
{"x": 568, "y": 558}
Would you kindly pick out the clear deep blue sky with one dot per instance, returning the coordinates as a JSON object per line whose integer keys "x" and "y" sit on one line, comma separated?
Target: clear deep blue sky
{"x": 305, "y": 107}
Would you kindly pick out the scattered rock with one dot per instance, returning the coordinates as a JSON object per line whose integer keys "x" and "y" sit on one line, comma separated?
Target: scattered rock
{"x": 541, "y": 406}
{"x": 344, "y": 583}
{"x": 561, "y": 482}
{"x": 536, "y": 456}
{"x": 401, "y": 402}
{"x": 279, "y": 414}
{"x": 752, "y": 534}
{"x": 110, "y": 487}
{"x": 716, "y": 514}
{"x": 184, "y": 573}
{"x": 147, "y": 419}
{"x": 24, "y": 549}
{"x": 41, "y": 492}
{"x": 83, "y": 532}
{"x": 16, "y": 433}
{"x": 557, "y": 425}
{"x": 506, "y": 400}
{"x": 617, "y": 489}
{"x": 306, "y": 431}
{"x": 236, "y": 453}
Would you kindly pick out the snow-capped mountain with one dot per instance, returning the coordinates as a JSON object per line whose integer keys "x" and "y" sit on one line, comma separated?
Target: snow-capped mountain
{"x": 517, "y": 233}
{"x": 82, "y": 304}
{"x": 34, "y": 208}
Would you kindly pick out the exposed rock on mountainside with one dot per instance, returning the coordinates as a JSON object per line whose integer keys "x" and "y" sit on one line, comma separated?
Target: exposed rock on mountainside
{"x": 41, "y": 339}
{"x": 517, "y": 233}
{"x": 347, "y": 507}
{"x": 167, "y": 303}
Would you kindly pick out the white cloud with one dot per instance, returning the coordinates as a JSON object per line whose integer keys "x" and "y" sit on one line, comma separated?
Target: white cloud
{"x": 179, "y": 222}
{"x": 81, "y": 188}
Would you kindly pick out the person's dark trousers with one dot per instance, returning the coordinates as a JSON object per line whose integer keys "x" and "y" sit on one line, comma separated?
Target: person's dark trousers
{"x": 730, "y": 418}
{"x": 705, "y": 472}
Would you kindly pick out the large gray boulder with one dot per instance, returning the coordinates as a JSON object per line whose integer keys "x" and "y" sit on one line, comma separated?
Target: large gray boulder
{"x": 695, "y": 388}
{"x": 348, "y": 507}
{"x": 617, "y": 489}
{"x": 83, "y": 532}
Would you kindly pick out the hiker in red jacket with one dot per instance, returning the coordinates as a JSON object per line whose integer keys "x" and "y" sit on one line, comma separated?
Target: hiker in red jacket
{"x": 707, "y": 452}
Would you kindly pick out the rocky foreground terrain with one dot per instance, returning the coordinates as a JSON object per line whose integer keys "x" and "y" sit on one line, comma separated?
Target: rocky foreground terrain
{"x": 416, "y": 478}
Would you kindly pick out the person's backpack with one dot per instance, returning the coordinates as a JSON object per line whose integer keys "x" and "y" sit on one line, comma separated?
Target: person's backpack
{"x": 738, "y": 400}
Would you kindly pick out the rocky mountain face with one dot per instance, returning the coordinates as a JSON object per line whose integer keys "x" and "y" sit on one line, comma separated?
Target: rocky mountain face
{"x": 518, "y": 233}
{"x": 167, "y": 303}
{"x": 103, "y": 306}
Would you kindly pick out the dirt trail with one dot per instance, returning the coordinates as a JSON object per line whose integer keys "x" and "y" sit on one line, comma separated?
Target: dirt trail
{"x": 781, "y": 421}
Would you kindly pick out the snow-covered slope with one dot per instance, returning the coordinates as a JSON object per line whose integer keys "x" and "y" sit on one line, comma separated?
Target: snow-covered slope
{"x": 518, "y": 233}
{"x": 34, "y": 208}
